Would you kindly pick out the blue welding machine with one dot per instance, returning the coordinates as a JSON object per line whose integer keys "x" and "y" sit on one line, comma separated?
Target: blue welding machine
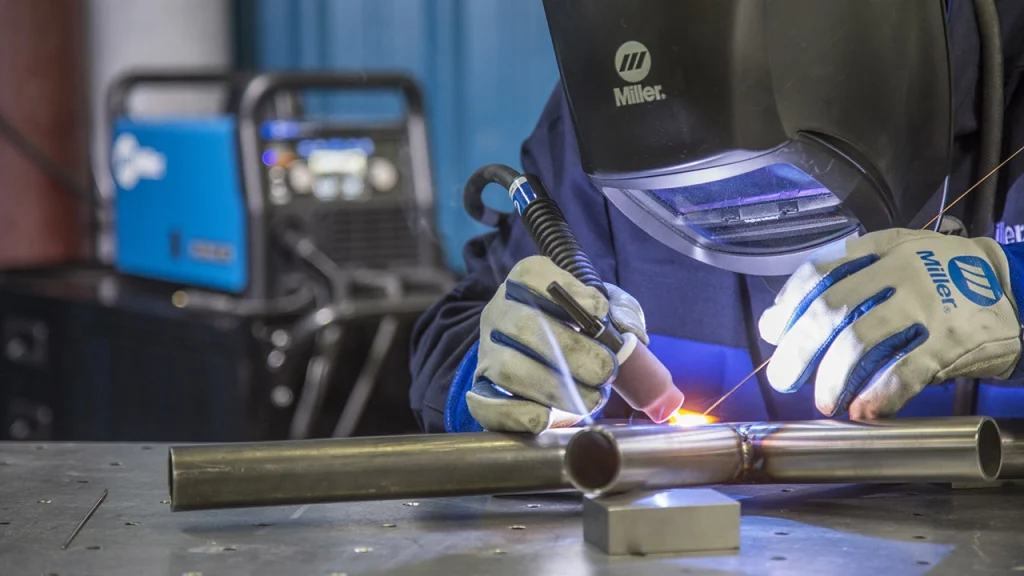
{"x": 201, "y": 200}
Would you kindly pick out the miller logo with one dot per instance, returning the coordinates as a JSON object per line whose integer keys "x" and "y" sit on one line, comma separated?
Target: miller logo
{"x": 972, "y": 277}
{"x": 633, "y": 64}
{"x": 975, "y": 279}
{"x": 131, "y": 162}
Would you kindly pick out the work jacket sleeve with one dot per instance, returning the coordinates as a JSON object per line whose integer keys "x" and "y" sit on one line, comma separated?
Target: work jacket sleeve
{"x": 444, "y": 339}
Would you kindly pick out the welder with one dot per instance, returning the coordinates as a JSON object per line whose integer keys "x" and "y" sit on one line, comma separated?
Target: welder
{"x": 702, "y": 152}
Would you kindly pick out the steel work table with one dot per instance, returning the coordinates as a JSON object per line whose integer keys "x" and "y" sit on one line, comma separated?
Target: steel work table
{"x": 46, "y": 489}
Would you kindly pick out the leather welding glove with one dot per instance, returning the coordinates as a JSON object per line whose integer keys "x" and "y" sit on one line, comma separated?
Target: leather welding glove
{"x": 535, "y": 370}
{"x": 876, "y": 319}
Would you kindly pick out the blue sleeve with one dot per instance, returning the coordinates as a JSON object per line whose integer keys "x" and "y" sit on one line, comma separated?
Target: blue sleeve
{"x": 445, "y": 337}
{"x": 456, "y": 413}
{"x": 1015, "y": 259}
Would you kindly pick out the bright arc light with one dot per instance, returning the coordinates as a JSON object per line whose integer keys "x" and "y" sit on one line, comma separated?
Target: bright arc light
{"x": 684, "y": 417}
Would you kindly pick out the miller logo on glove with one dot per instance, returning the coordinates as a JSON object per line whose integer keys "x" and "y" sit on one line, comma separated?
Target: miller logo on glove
{"x": 876, "y": 319}
{"x": 535, "y": 370}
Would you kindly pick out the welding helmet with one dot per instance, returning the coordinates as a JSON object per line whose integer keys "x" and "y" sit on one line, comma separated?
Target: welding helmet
{"x": 748, "y": 133}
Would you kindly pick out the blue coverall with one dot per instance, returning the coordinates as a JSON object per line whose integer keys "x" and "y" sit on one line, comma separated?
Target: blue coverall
{"x": 702, "y": 320}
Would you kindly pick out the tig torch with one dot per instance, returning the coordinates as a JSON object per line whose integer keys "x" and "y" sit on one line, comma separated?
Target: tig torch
{"x": 642, "y": 380}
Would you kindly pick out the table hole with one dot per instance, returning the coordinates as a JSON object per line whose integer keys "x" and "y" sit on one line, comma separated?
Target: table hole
{"x": 517, "y": 527}
{"x": 229, "y": 549}
{"x": 782, "y": 533}
{"x": 778, "y": 558}
{"x": 147, "y": 448}
{"x": 40, "y": 447}
{"x": 116, "y": 464}
{"x": 787, "y": 490}
{"x": 82, "y": 481}
{"x": 388, "y": 525}
{"x": 911, "y": 493}
{"x": 499, "y": 552}
{"x": 920, "y": 537}
{"x": 94, "y": 547}
{"x": 918, "y": 514}
{"x": 923, "y": 563}
{"x": 413, "y": 504}
{"x": 131, "y": 523}
{"x": 261, "y": 525}
{"x": 5, "y": 523}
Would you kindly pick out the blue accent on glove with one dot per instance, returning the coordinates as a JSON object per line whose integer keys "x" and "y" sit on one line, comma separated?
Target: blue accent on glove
{"x": 826, "y": 282}
{"x": 521, "y": 293}
{"x": 1015, "y": 259}
{"x": 502, "y": 339}
{"x": 852, "y": 317}
{"x": 883, "y": 355}
{"x": 456, "y": 412}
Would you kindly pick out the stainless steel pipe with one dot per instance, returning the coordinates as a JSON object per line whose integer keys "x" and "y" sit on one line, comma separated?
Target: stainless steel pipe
{"x": 206, "y": 477}
{"x": 600, "y": 460}
{"x": 1012, "y": 432}
{"x": 603, "y": 460}
{"x": 596, "y": 460}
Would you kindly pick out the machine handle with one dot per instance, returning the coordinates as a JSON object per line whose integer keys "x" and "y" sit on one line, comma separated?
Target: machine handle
{"x": 121, "y": 89}
{"x": 263, "y": 86}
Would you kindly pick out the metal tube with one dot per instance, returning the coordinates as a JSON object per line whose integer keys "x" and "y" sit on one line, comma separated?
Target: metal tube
{"x": 604, "y": 460}
{"x": 597, "y": 460}
{"x": 1012, "y": 432}
{"x": 206, "y": 477}
{"x": 962, "y": 449}
{"x": 609, "y": 460}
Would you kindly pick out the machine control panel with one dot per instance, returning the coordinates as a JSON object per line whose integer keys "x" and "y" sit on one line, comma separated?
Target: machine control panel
{"x": 315, "y": 163}
{"x": 348, "y": 187}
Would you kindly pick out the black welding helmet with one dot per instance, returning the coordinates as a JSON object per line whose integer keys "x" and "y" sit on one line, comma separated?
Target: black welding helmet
{"x": 748, "y": 133}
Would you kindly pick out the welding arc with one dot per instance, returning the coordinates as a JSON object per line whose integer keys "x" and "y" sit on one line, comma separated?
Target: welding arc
{"x": 925, "y": 227}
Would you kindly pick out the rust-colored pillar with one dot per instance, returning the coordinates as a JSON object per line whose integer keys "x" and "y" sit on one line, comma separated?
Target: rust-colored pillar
{"x": 42, "y": 74}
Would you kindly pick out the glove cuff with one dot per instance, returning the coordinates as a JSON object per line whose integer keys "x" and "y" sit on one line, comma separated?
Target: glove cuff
{"x": 457, "y": 417}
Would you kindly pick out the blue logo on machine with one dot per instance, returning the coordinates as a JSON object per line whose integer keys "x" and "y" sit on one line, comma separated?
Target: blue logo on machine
{"x": 131, "y": 162}
{"x": 975, "y": 279}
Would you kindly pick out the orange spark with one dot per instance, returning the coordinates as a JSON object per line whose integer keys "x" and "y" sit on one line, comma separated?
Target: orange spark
{"x": 684, "y": 417}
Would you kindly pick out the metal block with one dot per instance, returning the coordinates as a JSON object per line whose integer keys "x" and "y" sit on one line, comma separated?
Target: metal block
{"x": 664, "y": 522}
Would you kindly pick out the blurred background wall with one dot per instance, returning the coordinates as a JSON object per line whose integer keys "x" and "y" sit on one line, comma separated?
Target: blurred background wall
{"x": 42, "y": 63}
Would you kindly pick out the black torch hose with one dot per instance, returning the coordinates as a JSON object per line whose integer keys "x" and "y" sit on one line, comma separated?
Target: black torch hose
{"x": 541, "y": 216}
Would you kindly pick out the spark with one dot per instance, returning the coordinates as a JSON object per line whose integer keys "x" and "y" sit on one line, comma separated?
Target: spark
{"x": 684, "y": 417}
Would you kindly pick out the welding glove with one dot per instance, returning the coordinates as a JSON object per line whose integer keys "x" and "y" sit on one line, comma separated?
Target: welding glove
{"x": 876, "y": 319}
{"x": 535, "y": 370}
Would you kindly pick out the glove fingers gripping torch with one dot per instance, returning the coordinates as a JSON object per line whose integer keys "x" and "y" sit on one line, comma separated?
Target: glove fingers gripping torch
{"x": 642, "y": 380}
